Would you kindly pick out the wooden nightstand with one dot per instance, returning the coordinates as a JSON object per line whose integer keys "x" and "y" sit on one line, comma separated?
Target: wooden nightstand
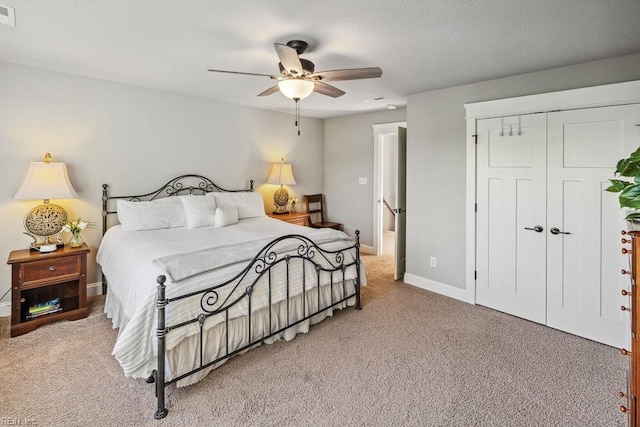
{"x": 53, "y": 285}
{"x": 298, "y": 218}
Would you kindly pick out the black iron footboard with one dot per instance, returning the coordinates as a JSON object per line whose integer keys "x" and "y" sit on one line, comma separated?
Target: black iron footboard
{"x": 329, "y": 269}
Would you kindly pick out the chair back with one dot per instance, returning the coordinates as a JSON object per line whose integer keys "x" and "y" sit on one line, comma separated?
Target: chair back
{"x": 314, "y": 205}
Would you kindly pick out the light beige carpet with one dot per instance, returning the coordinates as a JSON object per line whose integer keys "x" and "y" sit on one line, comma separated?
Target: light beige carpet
{"x": 410, "y": 357}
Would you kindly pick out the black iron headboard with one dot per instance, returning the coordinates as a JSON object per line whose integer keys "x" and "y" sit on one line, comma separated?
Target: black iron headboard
{"x": 184, "y": 184}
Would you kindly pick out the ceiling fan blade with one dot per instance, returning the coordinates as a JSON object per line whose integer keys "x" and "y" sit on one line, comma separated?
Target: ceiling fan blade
{"x": 245, "y": 74}
{"x": 289, "y": 59}
{"x": 270, "y": 91}
{"x": 348, "y": 74}
{"x": 326, "y": 89}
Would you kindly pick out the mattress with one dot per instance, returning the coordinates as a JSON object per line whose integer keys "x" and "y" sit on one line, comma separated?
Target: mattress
{"x": 195, "y": 259}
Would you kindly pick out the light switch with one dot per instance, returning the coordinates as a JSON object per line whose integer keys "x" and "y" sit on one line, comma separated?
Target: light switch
{"x": 362, "y": 181}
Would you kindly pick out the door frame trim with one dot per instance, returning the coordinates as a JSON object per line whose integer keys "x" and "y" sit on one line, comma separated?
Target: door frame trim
{"x": 573, "y": 99}
{"x": 380, "y": 130}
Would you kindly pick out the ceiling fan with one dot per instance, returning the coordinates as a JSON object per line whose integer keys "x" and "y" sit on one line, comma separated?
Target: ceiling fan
{"x": 298, "y": 78}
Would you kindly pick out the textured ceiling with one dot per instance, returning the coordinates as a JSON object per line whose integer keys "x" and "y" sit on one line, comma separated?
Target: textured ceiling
{"x": 420, "y": 45}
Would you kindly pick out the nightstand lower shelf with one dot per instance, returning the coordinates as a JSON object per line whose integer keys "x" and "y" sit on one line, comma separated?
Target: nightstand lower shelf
{"x": 47, "y": 287}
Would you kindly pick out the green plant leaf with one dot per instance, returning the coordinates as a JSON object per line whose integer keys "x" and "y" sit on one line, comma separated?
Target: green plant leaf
{"x": 633, "y": 216}
{"x": 618, "y": 185}
{"x": 628, "y": 167}
{"x": 630, "y": 197}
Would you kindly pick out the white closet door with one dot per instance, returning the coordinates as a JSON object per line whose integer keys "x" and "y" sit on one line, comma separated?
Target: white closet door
{"x": 583, "y": 278}
{"x": 511, "y": 183}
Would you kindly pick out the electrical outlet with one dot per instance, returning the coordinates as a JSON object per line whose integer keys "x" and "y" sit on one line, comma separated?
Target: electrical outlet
{"x": 433, "y": 261}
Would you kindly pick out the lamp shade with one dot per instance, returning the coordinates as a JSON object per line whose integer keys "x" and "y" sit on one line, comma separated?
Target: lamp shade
{"x": 46, "y": 181}
{"x": 281, "y": 174}
{"x": 296, "y": 89}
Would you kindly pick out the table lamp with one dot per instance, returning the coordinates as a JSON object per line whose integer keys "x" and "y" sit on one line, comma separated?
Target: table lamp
{"x": 45, "y": 180}
{"x": 281, "y": 174}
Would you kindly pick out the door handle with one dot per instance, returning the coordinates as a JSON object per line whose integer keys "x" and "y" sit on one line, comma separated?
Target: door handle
{"x": 537, "y": 228}
{"x": 555, "y": 230}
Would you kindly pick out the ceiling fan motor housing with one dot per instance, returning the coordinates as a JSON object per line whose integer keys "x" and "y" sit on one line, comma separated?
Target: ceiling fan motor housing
{"x": 307, "y": 66}
{"x": 299, "y": 45}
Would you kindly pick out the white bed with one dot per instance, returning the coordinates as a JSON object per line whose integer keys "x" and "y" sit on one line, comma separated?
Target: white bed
{"x": 246, "y": 285}
{"x": 127, "y": 260}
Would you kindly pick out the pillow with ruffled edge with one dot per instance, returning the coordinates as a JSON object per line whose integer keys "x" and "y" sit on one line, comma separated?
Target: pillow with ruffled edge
{"x": 167, "y": 212}
{"x": 249, "y": 203}
{"x": 199, "y": 211}
{"x": 226, "y": 215}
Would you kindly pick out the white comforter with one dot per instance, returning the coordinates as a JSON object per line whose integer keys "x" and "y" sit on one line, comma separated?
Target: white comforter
{"x": 132, "y": 260}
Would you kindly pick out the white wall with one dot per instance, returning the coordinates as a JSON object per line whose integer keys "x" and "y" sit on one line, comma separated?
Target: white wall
{"x": 135, "y": 139}
{"x": 436, "y": 159}
{"x": 348, "y": 155}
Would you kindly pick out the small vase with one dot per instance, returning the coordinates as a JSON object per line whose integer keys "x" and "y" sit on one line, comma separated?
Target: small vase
{"x": 76, "y": 240}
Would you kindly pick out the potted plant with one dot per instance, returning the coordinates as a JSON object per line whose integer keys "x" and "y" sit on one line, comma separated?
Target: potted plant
{"x": 629, "y": 196}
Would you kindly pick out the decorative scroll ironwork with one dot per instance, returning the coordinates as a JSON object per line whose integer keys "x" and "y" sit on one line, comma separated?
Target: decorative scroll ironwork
{"x": 184, "y": 184}
{"x": 261, "y": 265}
{"x": 284, "y": 249}
{"x": 270, "y": 255}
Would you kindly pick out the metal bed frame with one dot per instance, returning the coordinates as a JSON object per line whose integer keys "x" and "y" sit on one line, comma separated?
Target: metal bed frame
{"x": 307, "y": 254}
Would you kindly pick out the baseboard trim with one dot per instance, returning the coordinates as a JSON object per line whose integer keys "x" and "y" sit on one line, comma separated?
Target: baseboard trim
{"x": 366, "y": 249}
{"x": 5, "y": 309}
{"x": 94, "y": 289}
{"x": 438, "y": 287}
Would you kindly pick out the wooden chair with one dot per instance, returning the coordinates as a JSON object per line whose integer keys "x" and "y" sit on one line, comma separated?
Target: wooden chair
{"x": 318, "y": 208}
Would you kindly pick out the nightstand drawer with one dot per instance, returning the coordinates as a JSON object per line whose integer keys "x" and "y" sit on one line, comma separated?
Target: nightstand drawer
{"x": 298, "y": 221}
{"x": 38, "y": 271}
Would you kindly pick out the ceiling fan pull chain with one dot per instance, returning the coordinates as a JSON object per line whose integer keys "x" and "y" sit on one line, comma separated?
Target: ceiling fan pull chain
{"x": 298, "y": 116}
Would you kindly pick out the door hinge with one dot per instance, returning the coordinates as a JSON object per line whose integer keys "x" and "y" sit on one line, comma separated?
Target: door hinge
{"x": 475, "y": 137}
{"x": 476, "y": 207}
{"x": 475, "y": 275}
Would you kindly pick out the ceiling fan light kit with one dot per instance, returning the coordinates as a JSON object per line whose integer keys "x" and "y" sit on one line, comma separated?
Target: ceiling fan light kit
{"x": 298, "y": 79}
{"x": 296, "y": 89}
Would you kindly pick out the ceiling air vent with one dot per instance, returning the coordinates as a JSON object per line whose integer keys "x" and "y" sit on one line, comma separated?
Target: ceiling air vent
{"x": 7, "y": 15}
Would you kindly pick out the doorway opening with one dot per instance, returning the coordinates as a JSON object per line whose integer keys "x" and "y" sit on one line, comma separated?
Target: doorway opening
{"x": 390, "y": 193}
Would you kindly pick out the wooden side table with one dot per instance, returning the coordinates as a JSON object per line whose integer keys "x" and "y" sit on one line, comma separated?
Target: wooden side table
{"x": 298, "y": 218}
{"x": 46, "y": 287}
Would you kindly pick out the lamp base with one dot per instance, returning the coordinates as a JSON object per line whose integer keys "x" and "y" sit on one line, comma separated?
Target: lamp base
{"x": 45, "y": 247}
{"x": 280, "y": 200}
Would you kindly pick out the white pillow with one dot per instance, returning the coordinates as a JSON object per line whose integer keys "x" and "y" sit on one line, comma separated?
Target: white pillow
{"x": 199, "y": 211}
{"x": 167, "y": 212}
{"x": 226, "y": 215}
{"x": 249, "y": 204}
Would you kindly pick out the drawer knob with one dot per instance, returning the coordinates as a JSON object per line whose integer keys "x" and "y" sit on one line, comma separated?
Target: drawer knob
{"x": 623, "y": 308}
{"x": 22, "y": 300}
{"x": 625, "y": 272}
{"x": 626, "y": 251}
{"x": 624, "y": 232}
{"x": 52, "y": 268}
{"x": 625, "y": 352}
{"x": 625, "y": 240}
{"x": 624, "y": 409}
{"x": 621, "y": 394}
{"x": 626, "y": 293}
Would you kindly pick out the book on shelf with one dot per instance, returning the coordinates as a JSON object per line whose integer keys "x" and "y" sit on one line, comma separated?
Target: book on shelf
{"x": 47, "y": 307}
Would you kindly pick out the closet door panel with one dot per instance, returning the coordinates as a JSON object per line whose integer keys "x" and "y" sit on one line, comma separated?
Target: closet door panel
{"x": 511, "y": 197}
{"x": 583, "y": 280}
